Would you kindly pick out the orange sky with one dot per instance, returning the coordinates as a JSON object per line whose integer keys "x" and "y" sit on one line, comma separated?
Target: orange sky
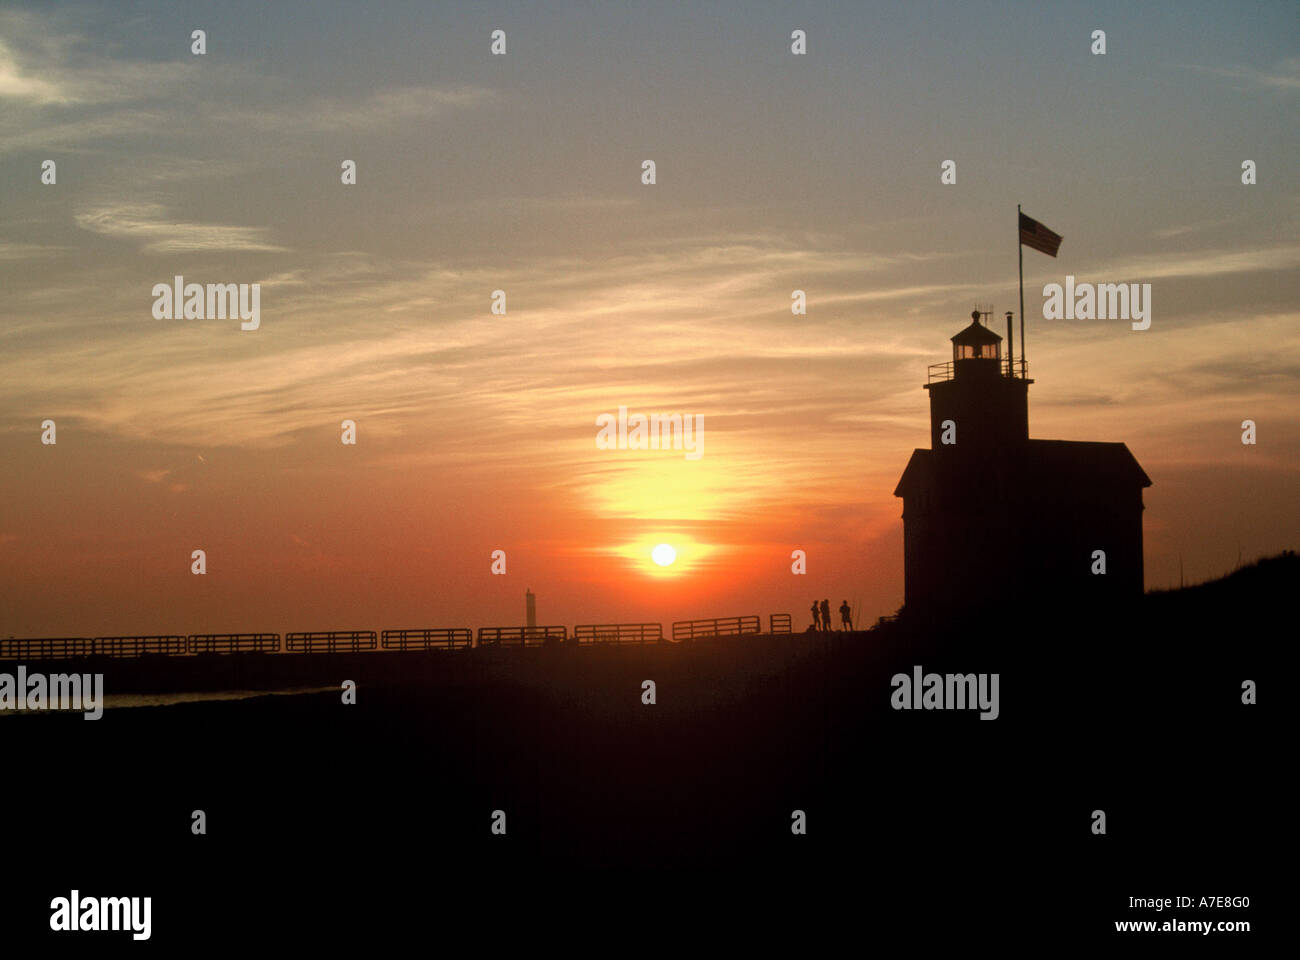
{"x": 477, "y": 432}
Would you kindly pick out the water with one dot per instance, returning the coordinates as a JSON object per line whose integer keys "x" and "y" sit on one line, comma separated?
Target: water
{"x": 122, "y": 700}
{"x": 119, "y": 701}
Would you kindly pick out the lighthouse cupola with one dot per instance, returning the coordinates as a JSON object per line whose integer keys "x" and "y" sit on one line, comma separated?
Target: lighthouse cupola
{"x": 976, "y": 401}
{"x": 977, "y": 350}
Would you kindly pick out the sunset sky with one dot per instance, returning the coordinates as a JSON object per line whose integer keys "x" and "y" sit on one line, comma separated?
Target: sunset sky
{"x": 523, "y": 173}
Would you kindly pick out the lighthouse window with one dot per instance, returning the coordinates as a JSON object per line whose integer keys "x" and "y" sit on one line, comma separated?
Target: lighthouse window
{"x": 976, "y": 351}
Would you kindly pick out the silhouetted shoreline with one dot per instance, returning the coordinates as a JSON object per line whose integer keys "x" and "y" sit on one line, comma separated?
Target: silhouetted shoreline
{"x": 1142, "y": 717}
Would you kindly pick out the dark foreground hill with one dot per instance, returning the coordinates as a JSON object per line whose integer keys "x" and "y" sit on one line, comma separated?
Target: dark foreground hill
{"x": 329, "y": 817}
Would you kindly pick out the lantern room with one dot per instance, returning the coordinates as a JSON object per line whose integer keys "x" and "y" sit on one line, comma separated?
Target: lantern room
{"x": 976, "y": 342}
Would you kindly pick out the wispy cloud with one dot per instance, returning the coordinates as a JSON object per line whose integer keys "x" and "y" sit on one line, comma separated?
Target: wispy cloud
{"x": 150, "y": 225}
{"x": 27, "y": 251}
{"x": 698, "y": 322}
{"x": 59, "y": 90}
{"x": 17, "y": 84}
{"x": 671, "y": 310}
{"x": 1180, "y": 230}
{"x": 42, "y": 65}
{"x": 1204, "y": 263}
{"x": 1284, "y": 75}
{"x": 17, "y": 134}
{"x": 383, "y": 108}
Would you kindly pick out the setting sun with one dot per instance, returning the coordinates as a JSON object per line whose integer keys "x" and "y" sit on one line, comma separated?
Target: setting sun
{"x": 665, "y": 554}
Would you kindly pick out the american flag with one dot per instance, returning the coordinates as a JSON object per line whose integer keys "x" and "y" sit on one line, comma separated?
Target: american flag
{"x": 1034, "y": 234}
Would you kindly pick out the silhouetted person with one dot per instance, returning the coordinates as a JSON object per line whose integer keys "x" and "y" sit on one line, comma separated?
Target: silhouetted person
{"x": 826, "y": 615}
{"x": 846, "y": 616}
{"x": 817, "y": 616}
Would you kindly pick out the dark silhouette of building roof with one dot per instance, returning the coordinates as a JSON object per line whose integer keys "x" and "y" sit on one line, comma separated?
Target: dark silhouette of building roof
{"x": 975, "y": 334}
{"x": 1044, "y": 463}
{"x": 1111, "y": 462}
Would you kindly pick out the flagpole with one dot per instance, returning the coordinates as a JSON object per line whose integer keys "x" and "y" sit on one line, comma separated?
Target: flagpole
{"x": 1020, "y": 250}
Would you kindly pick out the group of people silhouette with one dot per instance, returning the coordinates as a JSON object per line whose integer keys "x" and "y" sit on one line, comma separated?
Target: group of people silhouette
{"x": 821, "y": 614}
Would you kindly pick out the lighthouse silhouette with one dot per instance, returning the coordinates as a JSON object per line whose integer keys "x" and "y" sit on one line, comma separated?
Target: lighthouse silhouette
{"x": 987, "y": 510}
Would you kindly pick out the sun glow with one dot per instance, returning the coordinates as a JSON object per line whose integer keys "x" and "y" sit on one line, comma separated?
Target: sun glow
{"x": 669, "y": 554}
{"x": 663, "y": 554}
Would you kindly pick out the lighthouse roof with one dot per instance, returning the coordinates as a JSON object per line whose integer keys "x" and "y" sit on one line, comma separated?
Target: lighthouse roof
{"x": 1055, "y": 468}
{"x": 976, "y": 334}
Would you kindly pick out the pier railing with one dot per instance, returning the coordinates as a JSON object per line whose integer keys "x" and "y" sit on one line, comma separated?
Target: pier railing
{"x": 51, "y": 648}
{"x": 716, "y": 627}
{"x": 234, "y": 642}
{"x": 166, "y": 646}
{"x": 356, "y": 641}
{"x": 521, "y": 636}
{"x": 330, "y": 641}
{"x": 437, "y": 638}
{"x": 589, "y": 633}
